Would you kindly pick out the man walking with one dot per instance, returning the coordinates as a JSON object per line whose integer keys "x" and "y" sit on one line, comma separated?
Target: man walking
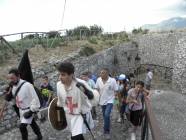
{"x": 27, "y": 101}
{"x": 107, "y": 87}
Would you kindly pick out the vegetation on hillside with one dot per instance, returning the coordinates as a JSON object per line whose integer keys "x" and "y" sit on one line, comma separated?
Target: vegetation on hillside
{"x": 92, "y": 37}
{"x": 140, "y": 31}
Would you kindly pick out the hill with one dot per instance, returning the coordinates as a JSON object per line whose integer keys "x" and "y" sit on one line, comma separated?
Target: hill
{"x": 169, "y": 24}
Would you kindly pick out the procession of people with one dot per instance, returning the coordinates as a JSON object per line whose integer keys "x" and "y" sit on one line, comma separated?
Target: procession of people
{"x": 79, "y": 98}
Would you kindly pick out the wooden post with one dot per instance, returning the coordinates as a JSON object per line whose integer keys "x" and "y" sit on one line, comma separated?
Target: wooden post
{"x": 21, "y": 36}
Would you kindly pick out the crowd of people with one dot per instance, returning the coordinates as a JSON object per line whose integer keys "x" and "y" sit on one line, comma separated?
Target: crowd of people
{"x": 75, "y": 96}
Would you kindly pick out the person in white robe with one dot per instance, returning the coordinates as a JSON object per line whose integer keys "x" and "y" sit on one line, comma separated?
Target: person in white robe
{"x": 74, "y": 100}
{"x": 27, "y": 101}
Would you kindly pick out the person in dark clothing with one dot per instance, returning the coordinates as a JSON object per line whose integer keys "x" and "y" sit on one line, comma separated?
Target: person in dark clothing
{"x": 46, "y": 90}
{"x": 123, "y": 94}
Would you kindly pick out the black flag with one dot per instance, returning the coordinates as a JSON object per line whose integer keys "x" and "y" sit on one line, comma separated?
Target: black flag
{"x": 26, "y": 73}
{"x": 25, "y": 68}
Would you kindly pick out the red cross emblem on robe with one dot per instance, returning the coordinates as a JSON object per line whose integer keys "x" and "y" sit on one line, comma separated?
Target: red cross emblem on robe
{"x": 70, "y": 104}
{"x": 18, "y": 102}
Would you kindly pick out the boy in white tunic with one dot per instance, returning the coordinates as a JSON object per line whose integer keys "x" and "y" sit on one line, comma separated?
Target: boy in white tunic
{"x": 73, "y": 100}
{"x": 27, "y": 101}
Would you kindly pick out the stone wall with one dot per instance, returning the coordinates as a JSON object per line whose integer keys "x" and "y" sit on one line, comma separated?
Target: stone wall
{"x": 162, "y": 73}
{"x": 9, "y": 119}
{"x": 158, "y": 48}
{"x": 118, "y": 59}
{"x": 167, "y": 52}
{"x": 179, "y": 71}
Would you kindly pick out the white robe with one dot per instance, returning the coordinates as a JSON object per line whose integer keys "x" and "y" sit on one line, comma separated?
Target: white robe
{"x": 26, "y": 100}
{"x": 74, "y": 103}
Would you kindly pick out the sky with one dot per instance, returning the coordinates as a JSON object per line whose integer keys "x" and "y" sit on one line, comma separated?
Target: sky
{"x": 112, "y": 15}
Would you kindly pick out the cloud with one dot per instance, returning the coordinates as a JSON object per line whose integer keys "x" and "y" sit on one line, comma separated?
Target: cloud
{"x": 179, "y": 7}
{"x": 182, "y": 6}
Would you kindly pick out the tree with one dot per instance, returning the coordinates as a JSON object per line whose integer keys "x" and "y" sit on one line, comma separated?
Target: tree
{"x": 53, "y": 34}
{"x": 95, "y": 30}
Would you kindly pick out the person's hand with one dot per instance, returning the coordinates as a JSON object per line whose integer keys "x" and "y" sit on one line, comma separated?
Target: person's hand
{"x": 28, "y": 114}
{"x": 8, "y": 97}
{"x": 135, "y": 101}
{"x": 86, "y": 91}
{"x": 147, "y": 92}
{"x": 148, "y": 97}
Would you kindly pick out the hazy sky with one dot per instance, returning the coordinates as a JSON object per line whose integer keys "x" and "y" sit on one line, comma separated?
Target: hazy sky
{"x": 112, "y": 15}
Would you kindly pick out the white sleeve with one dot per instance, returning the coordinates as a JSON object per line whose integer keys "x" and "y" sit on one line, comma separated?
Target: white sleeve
{"x": 93, "y": 84}
{"x": 115, "y": 85}
{"x": 60, "y": 99}
{"x": 84, "y": 83}
{"x": 150, "y": 75}
{"x": 97, "y": 84}
{"x": 35, "y": 103}
{"x": 85, "y": 103}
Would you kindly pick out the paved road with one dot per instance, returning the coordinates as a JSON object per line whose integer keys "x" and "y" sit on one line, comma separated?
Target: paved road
{"x": 119, "y": 131}
{"x": 170, "y": 110}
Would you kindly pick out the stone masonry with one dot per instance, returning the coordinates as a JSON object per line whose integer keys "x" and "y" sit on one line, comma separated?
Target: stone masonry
{"x": 167, "y": 52}
{"x": 179, "y": 69}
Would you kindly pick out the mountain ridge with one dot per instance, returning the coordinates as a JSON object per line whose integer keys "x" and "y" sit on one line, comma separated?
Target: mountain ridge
{"x": 169, "y": 24}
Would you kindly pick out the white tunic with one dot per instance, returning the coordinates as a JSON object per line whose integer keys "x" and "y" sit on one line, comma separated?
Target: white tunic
{"x": 107, "y": 90}
{"x": 26, "y": 99}
{"x": 74, "y": 103}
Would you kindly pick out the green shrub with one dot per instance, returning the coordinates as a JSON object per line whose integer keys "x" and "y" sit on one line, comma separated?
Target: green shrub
{"x": 53, "y": 34}
{"x": 107, "y": 36}
{"x": 110, "y": 42}
{"x": 4, "y": 55}
{"x": 86, "y": 51}
{"x": 95, "y": 30}
{"x": 145, "y": 31}
{"x": 84, "y": 31}
{"x": 30, "y": 36}
{"x": 1, "y": 57}
{"x": 140, "y": 30}
{"x": 78, "y": 31}
{"x": 123, "y": 36}
{"x": 28, "y": 43}
{"x": 93, "y": 40}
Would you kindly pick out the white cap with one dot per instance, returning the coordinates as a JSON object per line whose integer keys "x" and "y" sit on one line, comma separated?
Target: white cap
{"x": 122, "y": 77}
